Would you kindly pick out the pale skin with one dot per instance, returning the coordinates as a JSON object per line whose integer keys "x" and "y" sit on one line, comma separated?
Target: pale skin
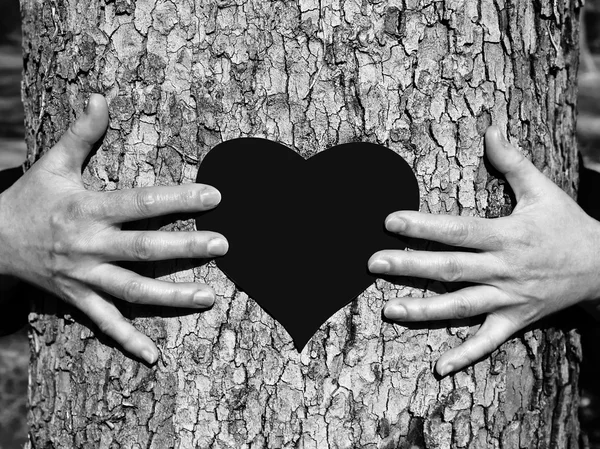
{"x": 56, "y": 234}
{"x": 61, "y": 237}
{"x": 542, "y": 258}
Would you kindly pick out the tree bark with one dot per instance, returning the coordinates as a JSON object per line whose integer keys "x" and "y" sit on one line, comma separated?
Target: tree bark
{"x": 423, "y": 78}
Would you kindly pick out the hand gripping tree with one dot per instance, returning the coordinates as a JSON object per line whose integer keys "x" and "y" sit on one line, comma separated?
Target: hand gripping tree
{"x": 424, "y": 79}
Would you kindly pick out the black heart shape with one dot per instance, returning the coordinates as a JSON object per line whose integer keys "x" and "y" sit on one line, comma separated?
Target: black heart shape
{"x": 301, "y": 231}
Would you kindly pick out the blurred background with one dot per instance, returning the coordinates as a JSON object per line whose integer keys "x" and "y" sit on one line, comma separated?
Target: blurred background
{"x": 12, "y": 144}
{"x": 14, "y": 350}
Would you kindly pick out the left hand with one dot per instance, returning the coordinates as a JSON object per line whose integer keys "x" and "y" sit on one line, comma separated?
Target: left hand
{"x": 59, "y": 236}
{"x": 543, "y": 258}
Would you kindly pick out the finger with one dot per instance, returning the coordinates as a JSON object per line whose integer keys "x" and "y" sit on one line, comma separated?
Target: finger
{"x": 145, "y": 202}
{"x": 464, "y": 303}
{"x": 74, "y": 146}
{"x": 494, "y": 331}
{"x": 441, "y": 266}
{"x": 160, "y": 245}
{"x": 470, "y": 232}
{"x": 521, "y": 174}
{"x": 106, "y": 316}
{"x": 137, "y": 289}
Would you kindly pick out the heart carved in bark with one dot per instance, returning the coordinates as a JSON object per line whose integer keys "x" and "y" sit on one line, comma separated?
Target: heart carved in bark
{"x": 301, "y": 231}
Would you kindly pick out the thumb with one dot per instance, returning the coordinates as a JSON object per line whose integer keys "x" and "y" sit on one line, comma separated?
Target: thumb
{"x": 520, "y": 173}
{"x": 77, "y": 142}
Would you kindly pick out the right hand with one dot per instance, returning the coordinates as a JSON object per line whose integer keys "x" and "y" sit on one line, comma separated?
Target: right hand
{"x": 59, "y": 236}
{"x": 539, "y": 260}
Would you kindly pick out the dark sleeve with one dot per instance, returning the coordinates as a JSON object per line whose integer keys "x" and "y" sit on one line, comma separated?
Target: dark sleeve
{"x": 589, "y": 192}
{"x": 14, "y": 299}
{"x": 9, "y": 177}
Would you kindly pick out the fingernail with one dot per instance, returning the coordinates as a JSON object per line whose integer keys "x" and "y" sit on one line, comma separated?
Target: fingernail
{"x": 446, "y": 369}
{"x": 149, "y": 356}
{"x": 395, "y": 224}
{"x": 217, "y": 247}
{"x": 203, "y": 298}
{"x": 503, "y": 138}
{"x": 379, "y": 266}
{"x": 395, "y": 312}
{"x": 210, "y": 197}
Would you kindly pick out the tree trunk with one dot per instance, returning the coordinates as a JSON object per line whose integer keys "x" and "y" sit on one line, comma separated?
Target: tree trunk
{"x": 423, "y": 78}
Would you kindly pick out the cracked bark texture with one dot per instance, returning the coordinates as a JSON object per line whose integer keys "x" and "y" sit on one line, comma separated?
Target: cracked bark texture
{"x": 424, "y": 78}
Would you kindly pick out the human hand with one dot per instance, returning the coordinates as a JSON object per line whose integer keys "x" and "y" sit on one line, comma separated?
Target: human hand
{"x": 541, "y": 259}
{"x": 59, "y": 236}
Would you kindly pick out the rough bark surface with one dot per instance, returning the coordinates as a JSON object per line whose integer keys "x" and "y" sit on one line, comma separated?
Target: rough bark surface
{"x": 424, "y": 78}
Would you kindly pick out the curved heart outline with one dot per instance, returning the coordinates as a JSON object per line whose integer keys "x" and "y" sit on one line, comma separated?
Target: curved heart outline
{"x": 300, "y": 231}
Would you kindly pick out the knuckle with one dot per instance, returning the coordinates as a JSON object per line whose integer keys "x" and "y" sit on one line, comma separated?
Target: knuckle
{"x": 61, "y": 247}
{"x": 504, "y": 269}
{"x": 133, "y": 291}
{"x": 459, "y": 231}
{"x": 493, "y": 240}
{"x": 58, "y": 228}
{"x": 521, "y": 237}
{"x": 106, "y": 326}
{"x": 79, "y": 208}
{"x": 83, "y": 206}
{"x": 96, "y": 206}
{"x": 144, "y": 202}
{"x": 451, "y": 270}
{"x": 142, "y": 247}
{"x": 421, "y": 311}
{"x": 526, "y": 233}
{"x": 62, "y": 235}
{"x": 462, "y": 307}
